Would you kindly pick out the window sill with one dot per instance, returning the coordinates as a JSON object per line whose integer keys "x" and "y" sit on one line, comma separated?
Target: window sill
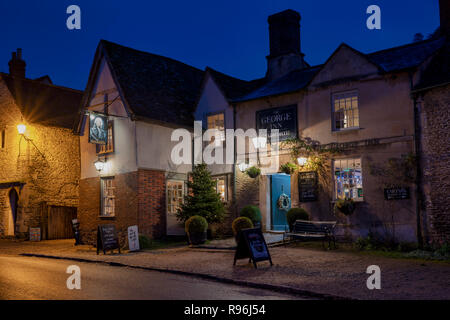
{"x": 355, "y": 201}
{"x": 107, "y": 217}
{"x": 347, "y": 130}
{"x": 101, "y": 154}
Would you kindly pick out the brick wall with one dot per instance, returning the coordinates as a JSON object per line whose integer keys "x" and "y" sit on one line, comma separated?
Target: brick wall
{"x": 436, "y": 162}
{"x": 126, "y": 207}
{"x": 152, "y": 202}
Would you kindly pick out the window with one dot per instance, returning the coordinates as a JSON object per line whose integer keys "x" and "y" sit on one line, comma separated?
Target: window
{"x": 175, "y": 195}
{"x": 216, "y": 121}
{"x": 345, "y": 111}
{"x": 221, "y": 187}
{"x": 108, "y": 197}
{"x": 109, "y": 147}
{"x": 3, "y": 139}
{"x": 348, "y": 179}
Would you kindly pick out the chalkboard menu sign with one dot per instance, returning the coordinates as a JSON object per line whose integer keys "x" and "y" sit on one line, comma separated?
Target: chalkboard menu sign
{"x": 107, "y": 238}
{"x": 252, "y": 245}
{"x": 284, "y": 119}
{"x": 398, "y": 193}
{"x": 307, "y": 186}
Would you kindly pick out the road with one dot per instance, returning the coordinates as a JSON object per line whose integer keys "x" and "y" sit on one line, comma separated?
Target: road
{"x": 45, "y": 279}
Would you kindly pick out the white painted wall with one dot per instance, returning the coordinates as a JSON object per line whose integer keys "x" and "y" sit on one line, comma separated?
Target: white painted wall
{"x": 213, "y": 101}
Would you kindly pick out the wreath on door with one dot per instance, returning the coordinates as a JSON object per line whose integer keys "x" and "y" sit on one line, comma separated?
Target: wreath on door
{"x": 284, "y": 202}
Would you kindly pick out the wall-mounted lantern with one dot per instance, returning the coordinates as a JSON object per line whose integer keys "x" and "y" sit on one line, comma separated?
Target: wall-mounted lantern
{"x": 99, "y": 165}
{"x": 21, "y": 128}
{"x": 302, "y": 161}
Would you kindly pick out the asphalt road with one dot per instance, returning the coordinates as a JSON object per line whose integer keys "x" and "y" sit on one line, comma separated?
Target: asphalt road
{"x": 38, "y": 278}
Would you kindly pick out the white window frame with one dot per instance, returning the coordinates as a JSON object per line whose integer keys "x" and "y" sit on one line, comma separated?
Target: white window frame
{"x": 183, "y": 193}
{"x": 225, "y": 181}
{"x": 111, "y": 195}
{"x": 347, "y": 110}
{"x": 356, "y": 183}
{"x": 109, "y": 146}
{"x": 221, "y": 130}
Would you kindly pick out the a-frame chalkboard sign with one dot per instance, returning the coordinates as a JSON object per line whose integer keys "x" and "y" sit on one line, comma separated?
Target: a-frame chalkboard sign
{"x": 252, "y": 245}
{"x": 107, "y": 238}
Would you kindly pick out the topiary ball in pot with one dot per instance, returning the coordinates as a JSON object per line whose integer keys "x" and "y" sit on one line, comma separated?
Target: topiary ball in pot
{"x": 240, "y": 224}
{"x": 196, "y": 227}
{"x": 253, "y": 213}
{"x": 296, "y": 214}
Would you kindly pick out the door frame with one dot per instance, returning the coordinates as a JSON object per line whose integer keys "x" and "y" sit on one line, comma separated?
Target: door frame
{"x": 12, "y": 217}
{"x": 167, "y": 200}
{"x": 269, "y": 199}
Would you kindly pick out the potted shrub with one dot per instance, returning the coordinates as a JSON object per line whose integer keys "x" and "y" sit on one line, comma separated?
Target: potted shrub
{"x": 253, "y": 213}
{"x": 296, "y": 214}
{"x": 196, "y": 227}
{"x": 253, "y": 172}
{"x": 345, "y": 206}
{"x": 240, "y": 224}
{"x": 288, "y": 168}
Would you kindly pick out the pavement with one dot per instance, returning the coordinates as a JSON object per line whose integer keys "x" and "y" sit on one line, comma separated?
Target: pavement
{"x": 319, "y": 274}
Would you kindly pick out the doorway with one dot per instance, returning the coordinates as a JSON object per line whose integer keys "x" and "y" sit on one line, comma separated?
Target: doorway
{"x": 280, "y": 197}
{"x": 13, "y": 203}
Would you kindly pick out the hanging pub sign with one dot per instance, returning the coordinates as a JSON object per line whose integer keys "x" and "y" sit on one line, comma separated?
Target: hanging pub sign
{"x": 98, "y": 128}
{"x": 284, "y": 119}
{"x": 107, "y": 238}
{"x": 252, "y": 245}
{"x": 397, "y": 193}
{"x": 307, "y": 186}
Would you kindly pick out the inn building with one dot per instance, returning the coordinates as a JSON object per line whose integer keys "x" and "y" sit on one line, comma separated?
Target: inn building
{"x": 375, "y": 111}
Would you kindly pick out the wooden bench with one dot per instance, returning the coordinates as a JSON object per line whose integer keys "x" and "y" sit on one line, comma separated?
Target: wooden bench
{"x": 312, "y": 230}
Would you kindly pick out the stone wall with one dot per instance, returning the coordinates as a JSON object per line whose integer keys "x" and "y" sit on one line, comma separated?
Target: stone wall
{"x": 47, "y": 164}
{"x": 435, "y": 114}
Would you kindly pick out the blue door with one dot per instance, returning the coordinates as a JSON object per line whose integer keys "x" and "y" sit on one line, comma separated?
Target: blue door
{"x": 280, "y": 200}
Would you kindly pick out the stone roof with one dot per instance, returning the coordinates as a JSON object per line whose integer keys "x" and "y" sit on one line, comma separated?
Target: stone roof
{"x": 153, "y": 86}
{"x": 44, "y": 103}
{"x": 389, "y": 60}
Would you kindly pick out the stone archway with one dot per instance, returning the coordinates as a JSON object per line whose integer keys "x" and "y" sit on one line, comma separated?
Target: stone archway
{"x": 13, "y": 204}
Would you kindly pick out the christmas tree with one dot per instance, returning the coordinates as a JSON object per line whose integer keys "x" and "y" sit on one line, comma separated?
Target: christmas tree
{"x": 202, "y": 198}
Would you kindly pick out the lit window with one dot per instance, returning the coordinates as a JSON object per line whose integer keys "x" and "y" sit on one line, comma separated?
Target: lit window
{"x": 108, "y": 197}
{"x": 348, "y": 179}
{"x": 221, "y": 188}
{"x": 109, "y": 147}
{"x": 345, "y": 111}
{"x": 216, "y": 121}
{"x": 175, "y": 195}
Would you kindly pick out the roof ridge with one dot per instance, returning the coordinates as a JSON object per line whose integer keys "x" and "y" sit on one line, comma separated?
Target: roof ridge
{"x": 36, "y": 81}
{"x": 149, "y": 53}
{"x": 403, "y": 46}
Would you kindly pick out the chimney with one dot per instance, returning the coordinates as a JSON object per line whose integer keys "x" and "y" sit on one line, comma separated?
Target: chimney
{"x": 17, "y": 65}
{"x": 284, "y": 36}
{"x": 444, "y": 12}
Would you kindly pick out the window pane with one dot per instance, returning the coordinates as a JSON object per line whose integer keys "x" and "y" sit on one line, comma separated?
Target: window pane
{"x": 345, "y": 110}
{"x": 348, "y": 179}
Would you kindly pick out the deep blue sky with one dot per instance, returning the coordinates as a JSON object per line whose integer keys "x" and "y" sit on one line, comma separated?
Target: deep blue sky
{"x": 228, "y": 35}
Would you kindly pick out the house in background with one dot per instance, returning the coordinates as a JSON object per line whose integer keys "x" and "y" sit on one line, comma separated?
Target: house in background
{"x": 144, "y": 97}
{"x": 39, "y": 154}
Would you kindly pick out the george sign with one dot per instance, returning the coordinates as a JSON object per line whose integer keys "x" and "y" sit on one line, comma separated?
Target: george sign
{"x": 133, "y": 238}
{"x": 35, "y": 234}
{"x": 76, "y": 231}
{"x": 284, "y": 119}
{"x": 397, "y": 193}
{"x": 98, "y": 128}
{"x": 252, "y": 245}
{"x": 307, "y": 186}
{"x": 107, "y": 238}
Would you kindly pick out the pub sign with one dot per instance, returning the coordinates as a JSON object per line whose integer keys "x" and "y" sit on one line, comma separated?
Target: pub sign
{"x": 98, "y": 128}
{"x": 284, "y": 119}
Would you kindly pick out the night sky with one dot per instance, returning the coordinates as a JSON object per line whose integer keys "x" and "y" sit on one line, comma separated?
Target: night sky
{"x": 230, "y": 36}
